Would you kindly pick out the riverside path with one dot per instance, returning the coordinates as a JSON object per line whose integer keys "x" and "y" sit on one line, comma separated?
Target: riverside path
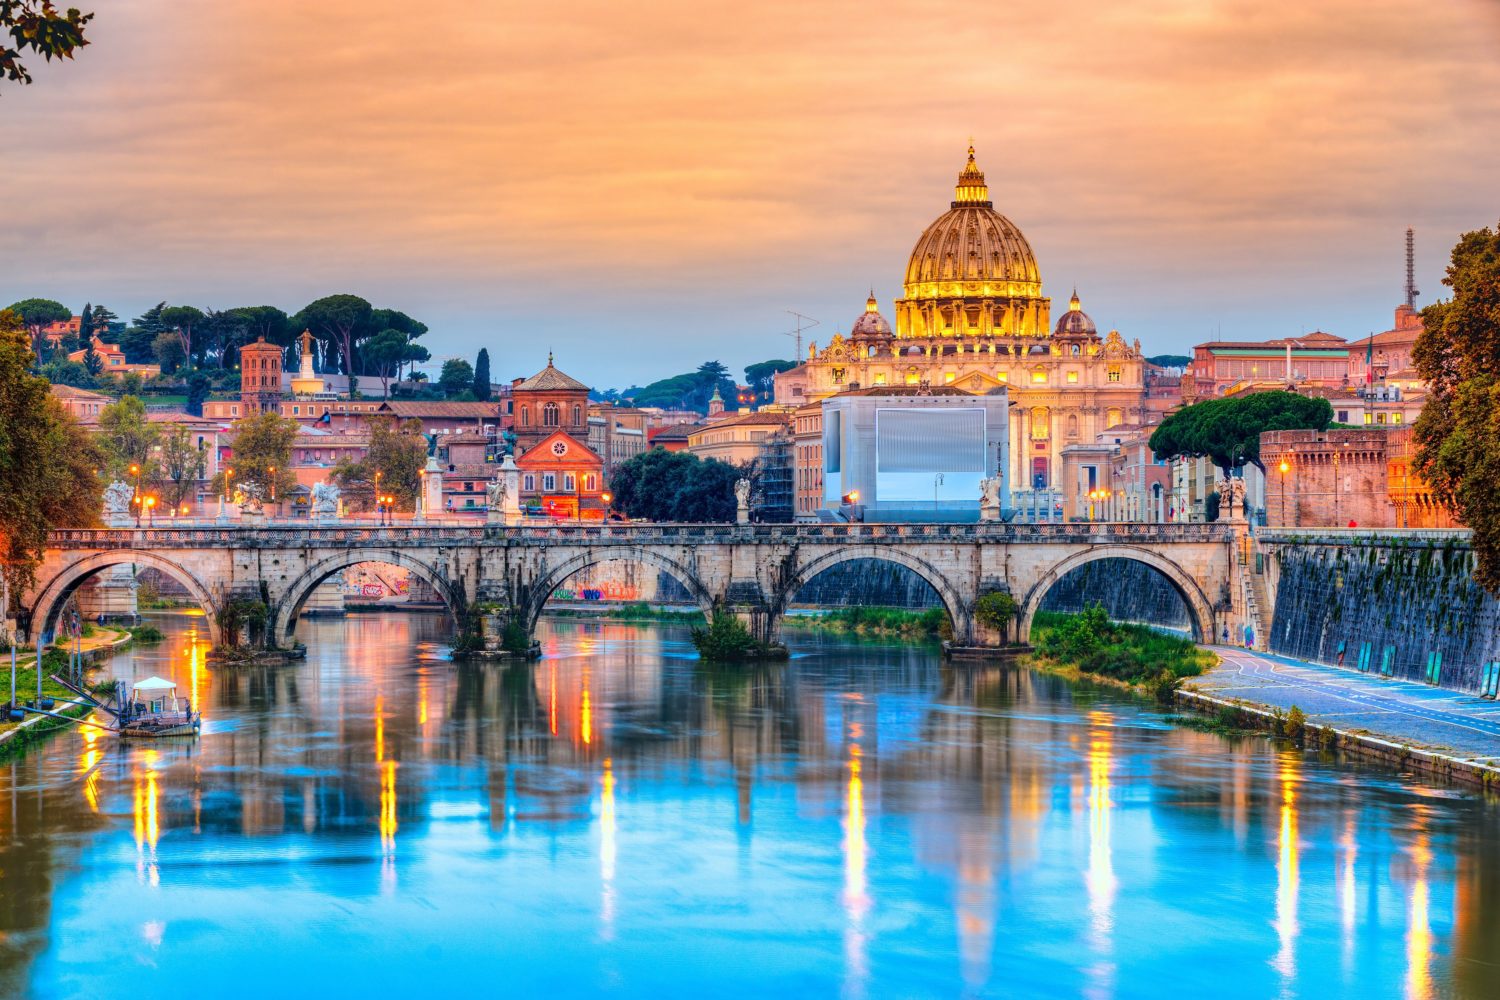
{"x": 1458, "y": 725}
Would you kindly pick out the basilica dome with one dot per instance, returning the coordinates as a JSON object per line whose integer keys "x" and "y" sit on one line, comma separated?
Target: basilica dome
{"x": 972, "y": 273}
{"x": 870, "y": 325}
{"x": 972, "y": 249}
{"x": 1075, "y": 322}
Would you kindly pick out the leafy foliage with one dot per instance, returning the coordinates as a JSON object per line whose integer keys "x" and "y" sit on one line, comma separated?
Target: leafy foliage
{"x": 47, "y": 462}
{"x": 180, "y": 468}
{"x": 240, "y": 616}
{"x": 1458, "y": 433}
{"x": 482, "y": 375}
{"x": 38, "y": 314}
{"x": 1228, "y": 430}
{"x": 997, "y": 610}
{"x": 457, "y": 377}
{"x": 661, "y": 485}
{"x": 261, "y": 443}
{"x": 727, "y": 640}
{"x": 397, "y": 453}
{"x": 38, "y": 26}
{"x": 689, "y": 391}
{"x": 127, "y": 438}
{"x": 1171, "y": 360}
{"x": 761, "y": 376}
{"x": 1135, "y": 654}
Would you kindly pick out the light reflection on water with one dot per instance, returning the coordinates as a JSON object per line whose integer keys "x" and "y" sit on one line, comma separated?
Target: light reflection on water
{"x": 863, "y": 821}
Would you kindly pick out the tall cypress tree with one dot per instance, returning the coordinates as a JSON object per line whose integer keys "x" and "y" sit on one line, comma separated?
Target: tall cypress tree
{"x": 86, "y": 325}
{"x": 482, "y": 375}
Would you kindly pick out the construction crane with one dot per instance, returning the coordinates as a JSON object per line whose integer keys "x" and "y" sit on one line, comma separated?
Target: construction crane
{"x": 803, "y": 323}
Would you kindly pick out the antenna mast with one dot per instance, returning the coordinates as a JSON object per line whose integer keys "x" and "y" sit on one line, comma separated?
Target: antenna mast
{"x": 1411, "y": 271}
{"x": 803, "y": 323}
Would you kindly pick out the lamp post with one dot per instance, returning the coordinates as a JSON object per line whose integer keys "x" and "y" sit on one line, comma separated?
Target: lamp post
{"x": 150, "y": 505}
{"x": 272, "y": 472}
{"x": 1284, "y": 468}
{"x": 377, "y": 493}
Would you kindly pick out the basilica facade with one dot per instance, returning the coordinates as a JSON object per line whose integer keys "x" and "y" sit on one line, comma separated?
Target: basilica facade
{"x": 972, "y": 315}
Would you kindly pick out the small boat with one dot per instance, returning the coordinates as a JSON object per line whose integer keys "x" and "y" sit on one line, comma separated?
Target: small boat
{"x": 154, "y": 709}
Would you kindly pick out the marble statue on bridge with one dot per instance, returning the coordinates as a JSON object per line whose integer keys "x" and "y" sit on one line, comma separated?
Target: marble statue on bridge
{"x": 117, "y": 497}
{"x": 989, "y": 499}
{"x": 325, "y": 500}
{"x": 742, "y": 501}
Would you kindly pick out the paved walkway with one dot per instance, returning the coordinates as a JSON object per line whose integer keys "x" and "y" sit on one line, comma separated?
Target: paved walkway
{"x": 1404, "y": 712}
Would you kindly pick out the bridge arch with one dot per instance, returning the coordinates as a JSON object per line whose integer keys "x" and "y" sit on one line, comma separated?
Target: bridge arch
{"x": 959, "y": 609}
{"x": 294, "y": 597}
{"x": 556, "y": 576}
{"x": 1200, "y": 611}
{"x": 54, "y": 594}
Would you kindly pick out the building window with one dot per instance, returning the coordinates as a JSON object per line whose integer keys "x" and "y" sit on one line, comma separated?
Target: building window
{"x": 549, "y": 482}
{"x": 568, "y": 482}
{"x": 1395, "y": 418}
{"x": 577, "y": 415}
{"x": 549, "y": 415}
{"x": 590, "y": 483}
{"x": 530, "y": 483}
{"x": 1041, "y": 423}
{"x": 880, "y": 378}
{"x": 1114, "y": 373}
{"x": 1038, "y": 375}
{"x": 234, "y": 410}
{"x": 1369, "y": 418}
{"x": 1003, "y": 376}
{"x": 1343, "y": 416}
{"x": 1113, "y": 417}
{"x": 525, "y": 416}
{"x": 912, "y": 378}
{"x": 295, "y": 411}
{"x": 468, "y": 487}
{"x": 1072, "y": 378}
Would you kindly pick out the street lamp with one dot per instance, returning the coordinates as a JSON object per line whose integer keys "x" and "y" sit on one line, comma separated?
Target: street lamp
{"x": 1284, "y": 468}
{"x": 150, "y": 505}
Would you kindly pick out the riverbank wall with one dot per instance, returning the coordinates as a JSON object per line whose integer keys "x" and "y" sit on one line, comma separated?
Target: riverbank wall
{"x": 1399, "y": 604}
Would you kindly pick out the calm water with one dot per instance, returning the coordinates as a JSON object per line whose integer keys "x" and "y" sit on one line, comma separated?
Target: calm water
{"x": 862, "y": 822}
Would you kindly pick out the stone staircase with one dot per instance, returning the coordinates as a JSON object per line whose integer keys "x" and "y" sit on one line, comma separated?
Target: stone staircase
{"x": 1257, "y": 603}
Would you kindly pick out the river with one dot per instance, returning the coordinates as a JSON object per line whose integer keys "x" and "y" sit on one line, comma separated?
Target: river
{"x": 863, "y": 821}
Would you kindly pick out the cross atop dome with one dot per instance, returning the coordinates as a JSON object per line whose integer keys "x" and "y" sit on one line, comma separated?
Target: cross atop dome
{"x": 971, "y": 189}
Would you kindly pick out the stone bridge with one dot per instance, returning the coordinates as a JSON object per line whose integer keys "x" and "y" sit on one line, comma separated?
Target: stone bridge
{"x": 751, "y": 570}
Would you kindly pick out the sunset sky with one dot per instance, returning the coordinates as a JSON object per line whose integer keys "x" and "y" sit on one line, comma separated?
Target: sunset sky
{"x": 645, "y": 186}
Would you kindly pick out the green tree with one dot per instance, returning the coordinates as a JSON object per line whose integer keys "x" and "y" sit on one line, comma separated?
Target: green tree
{"x": 342, "y": 321}
{"x": 198, "y": 386}
{"x": 482, "y": 375}
{"x": 384, "y": 354}
{"x": 39, "y": 27}
{"x": 91, "y": 359}
{"x": 106, "y": 323}
{"x": 86, "y": 323}
{"x": 1228, "y": 430}
{"x": 761, "y": 377}
{"x": 139, "y": 339}
{"x": 397, "y": 453}
{"x": 1458, "y": 432}
{"x": 131, "y": 384}
{"x": 168, "y": 351}
{"x": 72, "y": 373}
{"x": 661, "y": 485}
{"x": 261, "y": 456}
{"x": 47, "y": 462}
{"x": 234, "y": 328}
{"x": 38, "y": 314}
{"x": 1171, "y": 360}
{"x": 181, "y": 465}
{"x": 182, "y": 320}
{"x": 456, "y": 377}
{"x": 127, "y": 438}
{"x": 997, "y": 610}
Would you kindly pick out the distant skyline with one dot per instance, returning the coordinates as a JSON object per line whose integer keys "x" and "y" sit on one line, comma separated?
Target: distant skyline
{"x": 640, "y": 188}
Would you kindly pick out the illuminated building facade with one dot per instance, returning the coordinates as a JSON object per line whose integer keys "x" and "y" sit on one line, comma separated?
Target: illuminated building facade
{"x": 972, "y": 316}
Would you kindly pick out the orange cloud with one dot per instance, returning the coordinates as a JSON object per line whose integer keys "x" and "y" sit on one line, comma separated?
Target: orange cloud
{"x": 647, "y": 185}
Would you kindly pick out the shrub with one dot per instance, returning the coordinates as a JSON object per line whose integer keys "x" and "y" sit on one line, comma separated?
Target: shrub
{"x": 996, "y": 610}
{"x": 147, "y": 633}
{"x": 1296, "y": 723}
{"x": 513, "y": 638}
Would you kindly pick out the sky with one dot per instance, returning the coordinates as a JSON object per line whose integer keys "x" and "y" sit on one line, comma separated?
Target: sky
{"x": 641, "y": 187}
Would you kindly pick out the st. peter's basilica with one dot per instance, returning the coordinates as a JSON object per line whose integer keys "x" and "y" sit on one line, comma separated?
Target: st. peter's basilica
{"x": 973, "y": 316}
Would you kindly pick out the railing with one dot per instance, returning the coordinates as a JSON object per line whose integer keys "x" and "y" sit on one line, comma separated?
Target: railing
{"x": 1364, "y": 536}
{"x": 292, "y": 534}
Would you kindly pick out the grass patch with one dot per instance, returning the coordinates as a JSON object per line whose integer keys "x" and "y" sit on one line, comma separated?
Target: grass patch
{"x": 930, "y": 624}
{"x": 1132, "y": 654}
{"x": 147, "y": 633}
{"x": 636, "y": 611}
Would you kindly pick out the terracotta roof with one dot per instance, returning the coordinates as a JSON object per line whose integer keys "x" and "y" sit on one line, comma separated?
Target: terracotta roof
{"x": 550, "y": 378}
{"x": 464, "y": 438}
{"x": 677, "y": 432}
{"x": 73, "y": 392}
{"x": 472, "y": 470}
{"x": 179, "y": 418}
{"x": 753, "y": 419}
{"x": 439, "y": 408}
